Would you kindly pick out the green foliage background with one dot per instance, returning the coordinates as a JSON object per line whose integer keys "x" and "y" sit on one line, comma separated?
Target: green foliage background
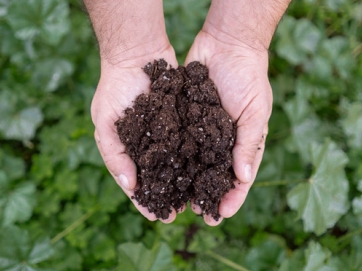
{"x": 60, "y": 209}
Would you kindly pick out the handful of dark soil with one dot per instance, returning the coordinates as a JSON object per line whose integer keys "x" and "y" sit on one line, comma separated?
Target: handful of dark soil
{"x": 180, "y": 139}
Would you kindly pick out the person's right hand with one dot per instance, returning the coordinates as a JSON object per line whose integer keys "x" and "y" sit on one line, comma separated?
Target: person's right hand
{"x": 120, "y": 83}
{"x": 130, "y": 34}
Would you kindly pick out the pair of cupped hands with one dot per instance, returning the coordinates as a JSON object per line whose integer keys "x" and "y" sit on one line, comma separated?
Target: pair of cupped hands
{"x": 239, "y": 71}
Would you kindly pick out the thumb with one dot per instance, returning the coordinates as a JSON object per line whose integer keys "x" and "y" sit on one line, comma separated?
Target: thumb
{"x": 247, "y": 154}
{"x": 248, "y": 150}
{"x": 252, "y": 129}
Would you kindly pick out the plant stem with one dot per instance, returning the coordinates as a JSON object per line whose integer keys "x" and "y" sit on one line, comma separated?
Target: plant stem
{"x": 276, "y": 183}
{"x": 225, "y": 261}
{"x": 349, "y": 235}
{"x": 74, "y": 225}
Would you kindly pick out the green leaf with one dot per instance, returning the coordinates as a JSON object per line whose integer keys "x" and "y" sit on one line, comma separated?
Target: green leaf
{"x": 4, "y": 7}
{"x": 33, "y": 18}
{"x": 267, "y": 254}
{"x": 173, "y": 234}
{"x": 324, "y": 198}
{"x": 352, "y": 125}
{"x": 334, "y": 5}
{"x": 41, "y": 251}
{"x": 65, "y": 257}
{"x": 297, "y": 38}
{"x": 306, "y": 126}
{"x": 294, "y": 262}
{"x": 13, "y": 167}
{"x": 359, "y": 186}
{"x": 183, "y": 22}
{"x": 20, "y": 125}
{"x": 131, "y": 226}
{"x": 51, "y": 73}
{"x": 16, "y": 203}
{"x": 66, "y": 183}
{"x": 203, "y": 241}
{"x": 103, "y": 248}
{"x": 110, "y": 195}
{"x": 135, "y": 257}
{"x": 18, "y": 252}
{"x": 316, "y": 258}
{"x": 306, "y": 35}
{"x": 357, "y": 205}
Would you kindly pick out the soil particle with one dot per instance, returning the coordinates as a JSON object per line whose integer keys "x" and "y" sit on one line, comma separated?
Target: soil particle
{"x": 180, "y": 139}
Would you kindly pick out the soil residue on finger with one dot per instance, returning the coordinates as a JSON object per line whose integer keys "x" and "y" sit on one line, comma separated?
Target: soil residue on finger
{"x": 180, "y": 139}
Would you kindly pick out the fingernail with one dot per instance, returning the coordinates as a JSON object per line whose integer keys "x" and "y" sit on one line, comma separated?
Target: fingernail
{"x": 247, "y": 173}
{"x": 123, "y": 181}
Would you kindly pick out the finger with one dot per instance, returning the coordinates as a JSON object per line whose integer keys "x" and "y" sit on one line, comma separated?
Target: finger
{"x": 143, "y": 210}
{"x": 171, "y": 218}
{"x": 235, "y": 198}
{"x": 209, "y": 220}
{"x": 118, "y": 163}
{"x": 252, "y": 128}
{"x": 196, "y": 208}
{"x": 182, "y": 209}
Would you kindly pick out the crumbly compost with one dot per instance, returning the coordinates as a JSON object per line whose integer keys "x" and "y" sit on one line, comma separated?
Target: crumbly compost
{"x": 180, "y": 139}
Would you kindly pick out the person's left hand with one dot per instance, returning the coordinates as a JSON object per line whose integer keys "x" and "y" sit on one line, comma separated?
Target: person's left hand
{"x": 240, "y": 74}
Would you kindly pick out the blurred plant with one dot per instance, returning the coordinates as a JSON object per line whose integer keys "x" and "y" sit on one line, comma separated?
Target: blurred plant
{"x": 60, "y": 210}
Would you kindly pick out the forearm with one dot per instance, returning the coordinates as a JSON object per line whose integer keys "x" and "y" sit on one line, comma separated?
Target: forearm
{"x": 252, "y": 22}
{"x": 122, "y": 26}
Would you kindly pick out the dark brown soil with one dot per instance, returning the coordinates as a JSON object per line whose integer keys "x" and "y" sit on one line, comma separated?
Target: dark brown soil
{"x": 180, "y": 139}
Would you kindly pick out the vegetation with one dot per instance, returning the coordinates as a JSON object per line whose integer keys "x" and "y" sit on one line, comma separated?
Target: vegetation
{"x": 61, "y": 210}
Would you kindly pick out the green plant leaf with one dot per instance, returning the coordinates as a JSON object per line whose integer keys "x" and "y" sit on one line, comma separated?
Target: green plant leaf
{"x": 136, "y": 257}
{"x": 32, "y": 18}
{"x": 352, "y": 125}
{"x": 103, "y": 247}
{"x": 19, "y": 253}
{"x": 131, "y": 226}
{"x": 294, "y": 262}
{"x": 174, "y": 235}
{"x": 314, "y": 258}
{"x": 20, "y": 125}
{"x": 4, "y": 7}
{"x": 306, "y": 126}
{"x": 322, "y": 200}
{"x": 306, "y": 35}
{"x": 16, "y": 202}
{"x": 267, "y": 254}
{"x": 183, "y": 22}
{"x": 357, "y": 205}
{"x": 335, "y": 5}
{"x": 317, "y": 258}
{"x": 51, "y": 73}
{"x": 203, "y": 241}
{"x": 13, "y": 167}
{"x": 297, "y": 38}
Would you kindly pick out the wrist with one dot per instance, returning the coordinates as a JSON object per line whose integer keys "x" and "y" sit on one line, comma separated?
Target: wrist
{"x": 248, "y": 22}
{"x": 127, "y": 29}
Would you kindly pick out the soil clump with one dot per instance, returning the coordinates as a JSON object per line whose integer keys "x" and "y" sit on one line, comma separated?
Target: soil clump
{"x": 180, "y": 139}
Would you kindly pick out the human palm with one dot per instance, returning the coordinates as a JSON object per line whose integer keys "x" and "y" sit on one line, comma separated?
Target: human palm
{"x": 240, "y": 73}
{"x": 241, "y": 76}
{"x": 120, "y": 83}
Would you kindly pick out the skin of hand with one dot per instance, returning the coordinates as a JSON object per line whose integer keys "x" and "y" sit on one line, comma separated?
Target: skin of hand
{"x": 130, "y": 34}
{"x": 234, "y": 48}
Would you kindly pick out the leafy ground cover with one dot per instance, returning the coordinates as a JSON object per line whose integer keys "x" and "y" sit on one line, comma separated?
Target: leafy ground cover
{"x": 60, "y": 210}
